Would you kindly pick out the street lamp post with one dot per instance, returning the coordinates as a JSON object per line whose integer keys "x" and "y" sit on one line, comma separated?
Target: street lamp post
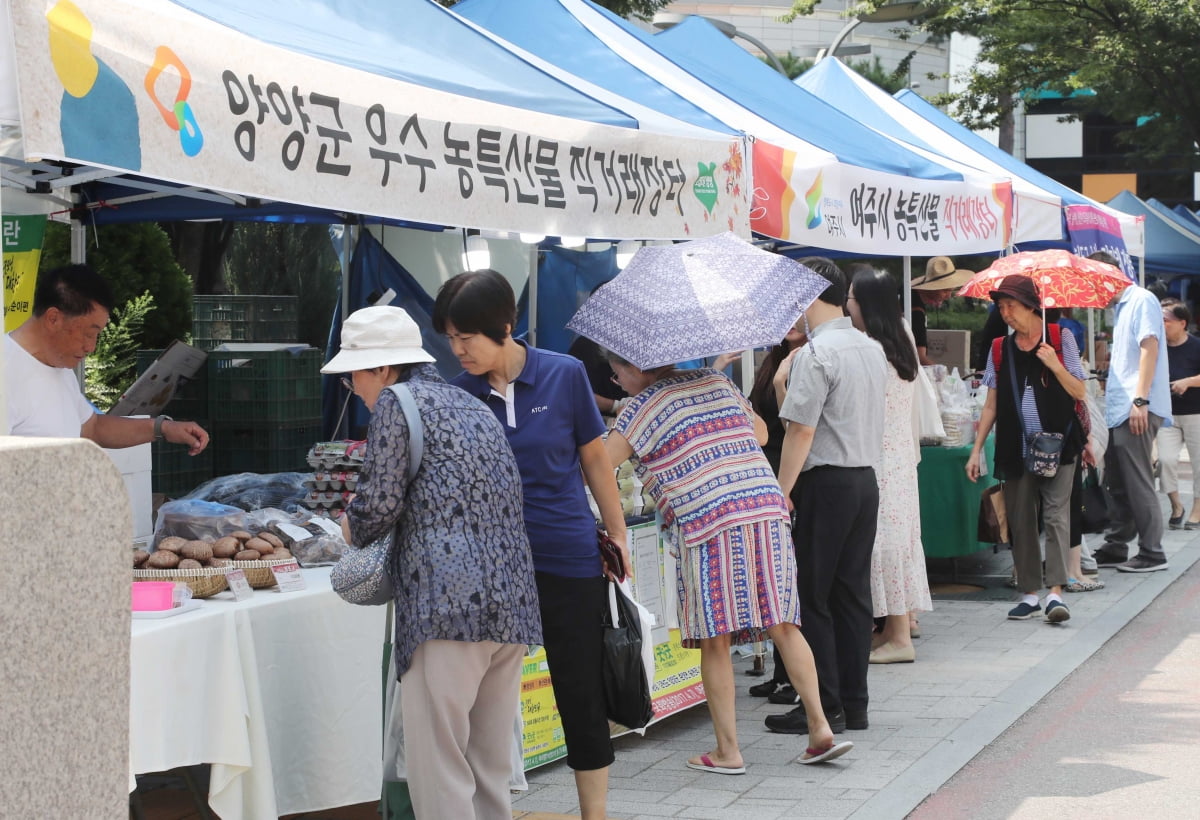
{"x": 667, "y": 19}
{"x": 891, "y": 13}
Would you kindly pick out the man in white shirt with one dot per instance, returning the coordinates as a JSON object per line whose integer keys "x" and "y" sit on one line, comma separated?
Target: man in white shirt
{"x": 70, "y": 307}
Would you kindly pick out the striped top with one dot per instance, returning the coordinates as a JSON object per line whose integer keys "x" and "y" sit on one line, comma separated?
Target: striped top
{"x": 693, "y": 437}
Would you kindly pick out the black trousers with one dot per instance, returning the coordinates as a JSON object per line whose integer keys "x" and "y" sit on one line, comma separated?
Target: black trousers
{"x": 837, "y": 509}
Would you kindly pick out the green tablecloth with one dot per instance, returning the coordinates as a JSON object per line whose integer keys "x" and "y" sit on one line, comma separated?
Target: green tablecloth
{"x": 949, "y": 501}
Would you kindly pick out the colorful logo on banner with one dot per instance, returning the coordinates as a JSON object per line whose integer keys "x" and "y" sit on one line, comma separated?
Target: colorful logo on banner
{"x": 773, "y": 192}
{"x": 812, "y": 198}
{"x": 22, "y": 241}
{"x": 705, "y": 186}
{"x": 98, "y": 116}
{"x": 1092, "y": 230}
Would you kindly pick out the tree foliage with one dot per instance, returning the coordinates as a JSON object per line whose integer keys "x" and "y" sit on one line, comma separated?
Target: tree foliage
{"x": 280, "y": 259}
{"x": 641, "y": 9}
{"x": 1138, "y": 56}
{"x": 133, "y": 259}
{"x": 110, "y": 368}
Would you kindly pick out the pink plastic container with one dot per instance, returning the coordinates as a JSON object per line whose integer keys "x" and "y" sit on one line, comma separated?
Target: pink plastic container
{"x": 149, "y": 596}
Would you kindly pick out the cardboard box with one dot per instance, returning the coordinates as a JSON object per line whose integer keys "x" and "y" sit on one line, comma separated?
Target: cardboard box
{"x": 951, "y": 348}
{"x": 135, "y": 466}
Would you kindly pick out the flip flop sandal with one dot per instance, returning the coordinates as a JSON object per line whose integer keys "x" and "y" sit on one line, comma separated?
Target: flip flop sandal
{"x": 1084, "y": 586}
{"x": 834, "y": 750}
{"x": 706, "y": 765}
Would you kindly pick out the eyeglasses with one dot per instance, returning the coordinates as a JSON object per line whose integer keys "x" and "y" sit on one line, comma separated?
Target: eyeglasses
{"x": 348, "y": 383}
{"x": 614, "y": 379}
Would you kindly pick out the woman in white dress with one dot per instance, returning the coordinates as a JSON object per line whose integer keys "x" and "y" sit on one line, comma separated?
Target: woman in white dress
{"x": 899, "y": 586}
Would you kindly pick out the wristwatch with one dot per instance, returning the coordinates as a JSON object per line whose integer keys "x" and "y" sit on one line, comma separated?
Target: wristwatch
{"x": 1140, "y": 402}
{"x": 158, "y": 423}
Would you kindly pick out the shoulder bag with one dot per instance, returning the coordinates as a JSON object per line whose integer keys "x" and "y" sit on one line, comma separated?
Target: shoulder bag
{"x": 360, "y": 576}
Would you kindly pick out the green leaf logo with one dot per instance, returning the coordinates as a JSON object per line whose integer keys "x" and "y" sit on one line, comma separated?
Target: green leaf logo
{"x": 705, "y": 186}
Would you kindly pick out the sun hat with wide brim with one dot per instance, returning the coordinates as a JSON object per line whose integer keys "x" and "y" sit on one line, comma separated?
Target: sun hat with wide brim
{"x": 940, "y": 274}
{"x": 375, "y": 337}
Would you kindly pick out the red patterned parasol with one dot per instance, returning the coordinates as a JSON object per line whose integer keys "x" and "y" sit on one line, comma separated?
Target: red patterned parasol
{"x": 1064, "y": 280}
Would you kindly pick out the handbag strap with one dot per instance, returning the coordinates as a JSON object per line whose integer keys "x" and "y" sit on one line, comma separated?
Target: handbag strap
{"x": 416, "y": 428}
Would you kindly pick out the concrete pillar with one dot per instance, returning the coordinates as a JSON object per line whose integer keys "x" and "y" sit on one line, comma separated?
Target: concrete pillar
{"x": 64, "y": 630}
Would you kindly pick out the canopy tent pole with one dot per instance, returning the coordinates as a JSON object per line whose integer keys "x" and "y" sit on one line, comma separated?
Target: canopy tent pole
{"x": 533, "y": 294}
{"x": 347, "y": 249}
{"x": 1142, "y": 271}
{"x": 907, "y": 290}
{"x": 79, "y": 257}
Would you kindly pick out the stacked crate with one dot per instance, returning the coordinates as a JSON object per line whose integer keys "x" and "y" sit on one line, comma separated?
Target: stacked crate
{"x": 265, "y": 407}
{"x": 176, "y": 473}
{"x": 217, "y": 319}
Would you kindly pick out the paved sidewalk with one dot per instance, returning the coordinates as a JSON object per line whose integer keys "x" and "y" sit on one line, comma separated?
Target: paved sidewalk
{"x": 976, "y": 674}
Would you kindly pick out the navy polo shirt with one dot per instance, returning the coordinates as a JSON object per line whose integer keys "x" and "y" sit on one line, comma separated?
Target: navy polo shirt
{"x": 551, "y": 415}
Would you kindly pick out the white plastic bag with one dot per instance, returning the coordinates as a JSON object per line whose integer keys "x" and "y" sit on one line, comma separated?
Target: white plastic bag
{"x": 926, "y": 412}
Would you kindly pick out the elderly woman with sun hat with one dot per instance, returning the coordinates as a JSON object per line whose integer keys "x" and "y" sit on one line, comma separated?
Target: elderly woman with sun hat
{"x": 460, "y": 567}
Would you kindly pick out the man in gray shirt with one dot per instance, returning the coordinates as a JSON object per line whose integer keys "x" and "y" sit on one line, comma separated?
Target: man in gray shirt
{"x": 834, "y": 409}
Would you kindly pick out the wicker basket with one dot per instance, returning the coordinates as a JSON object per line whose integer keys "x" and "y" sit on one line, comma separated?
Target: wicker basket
{"x": 204, "y": 582}
{"x": 258, "y": 573}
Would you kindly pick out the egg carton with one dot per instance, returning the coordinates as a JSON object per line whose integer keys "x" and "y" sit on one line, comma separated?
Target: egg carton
{"x": 337, "y": 455}
{"x": 341, "y": 480}
{"x": 328, "y": 500}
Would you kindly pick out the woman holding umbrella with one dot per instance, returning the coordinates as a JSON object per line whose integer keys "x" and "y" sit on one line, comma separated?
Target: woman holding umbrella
{"x": 1031, "y": 390}
{"x": 698, "y": 443}
{"x": 545, "y": 404}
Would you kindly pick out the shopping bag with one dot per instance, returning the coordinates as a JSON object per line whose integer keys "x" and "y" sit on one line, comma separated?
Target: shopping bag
{"x": 1095, "y": 502}
{"x": 626, "y": 688}
{"x": 925, "y": 408}
{"x": 993, "y": 519}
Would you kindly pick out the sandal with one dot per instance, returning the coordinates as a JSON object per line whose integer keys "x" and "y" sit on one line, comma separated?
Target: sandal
{"x": 1083, "y": 586}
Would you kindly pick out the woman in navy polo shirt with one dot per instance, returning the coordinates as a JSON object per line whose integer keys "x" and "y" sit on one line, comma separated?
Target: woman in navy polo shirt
{"x": 545, "y": 403}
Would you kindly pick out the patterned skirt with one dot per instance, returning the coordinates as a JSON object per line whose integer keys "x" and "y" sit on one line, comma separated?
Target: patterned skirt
{"x": 739, "y": 582}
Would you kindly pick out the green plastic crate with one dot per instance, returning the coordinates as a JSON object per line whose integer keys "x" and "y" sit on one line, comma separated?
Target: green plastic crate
{"x": 240, "y": 447}
{"x": 175, "y": 473}
{"x": 217, "y": 319}
{"x": 264, "y": 386}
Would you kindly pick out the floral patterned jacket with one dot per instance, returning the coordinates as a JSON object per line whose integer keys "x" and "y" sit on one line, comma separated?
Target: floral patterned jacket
{"x": 461, "y": 566}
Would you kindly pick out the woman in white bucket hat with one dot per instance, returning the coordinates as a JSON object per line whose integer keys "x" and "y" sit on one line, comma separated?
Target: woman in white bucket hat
{"x": 460, "y": 568}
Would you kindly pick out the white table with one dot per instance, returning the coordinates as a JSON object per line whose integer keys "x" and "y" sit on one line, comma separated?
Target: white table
{"x": 280, "y": 693}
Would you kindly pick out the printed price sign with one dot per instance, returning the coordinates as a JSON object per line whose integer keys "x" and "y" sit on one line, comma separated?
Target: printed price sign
{"x": 238, "y": 585}
{"x": 288, "y": 576}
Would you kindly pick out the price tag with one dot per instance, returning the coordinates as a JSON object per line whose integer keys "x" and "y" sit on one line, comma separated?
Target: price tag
{"x": 297, "y": 534}
{"x": 288, "y": 576}
{"x": 238, "y": 585}
{"x": 331, "y": 527}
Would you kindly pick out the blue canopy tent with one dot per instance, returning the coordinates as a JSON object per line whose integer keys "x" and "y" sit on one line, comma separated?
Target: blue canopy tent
{"x": 1172, "y": 247}
{"x": 693, "y": 67}
{"x": 1134, "y": 239}
{"x": 1038, "y": 213}
{"x": 1189, "y": 216}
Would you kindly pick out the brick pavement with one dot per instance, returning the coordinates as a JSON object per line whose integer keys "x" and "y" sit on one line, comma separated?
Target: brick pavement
{"x": 975, "y": 674}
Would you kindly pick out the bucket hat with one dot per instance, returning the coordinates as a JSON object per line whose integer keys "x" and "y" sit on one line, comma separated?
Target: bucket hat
{"x": 375, "y": 337}
{"x": 1018, "y": 287}
{"x": 940, "y": 274}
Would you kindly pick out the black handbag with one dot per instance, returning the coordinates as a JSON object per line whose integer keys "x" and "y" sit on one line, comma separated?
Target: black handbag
{"x": 626, "y": 690}
{"x": 1095, "y": 502}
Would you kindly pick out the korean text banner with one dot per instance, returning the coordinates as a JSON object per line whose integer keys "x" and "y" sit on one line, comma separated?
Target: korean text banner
{"x": 844, "y": 208}
{"x": 22, "y": 250}
{"x": 166, "y": 93}
{"x": 1092, "y": 230}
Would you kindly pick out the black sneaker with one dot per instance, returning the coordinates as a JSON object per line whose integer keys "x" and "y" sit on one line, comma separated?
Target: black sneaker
{"x": 768, "y": 688}
{"x": 784, "y": 696}
{"x": 1140, "y": 564}
{"x": 1023, "y": 611}
{"x": 856, "y": 720}
{"x": 1057, "y": 612}
{"x": 795, "y": 722}
{"x": 1106, "y": 557}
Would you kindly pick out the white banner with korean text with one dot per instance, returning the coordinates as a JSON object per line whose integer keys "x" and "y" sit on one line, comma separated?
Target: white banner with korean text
{"x": 846, "y": 208}
{"x": 165, "y": 93}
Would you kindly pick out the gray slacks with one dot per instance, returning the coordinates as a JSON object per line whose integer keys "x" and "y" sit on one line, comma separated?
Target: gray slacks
{"x": 1129, "y": 474}
{"x": 1022, "y": 498}
{"x": 459, "y": 700}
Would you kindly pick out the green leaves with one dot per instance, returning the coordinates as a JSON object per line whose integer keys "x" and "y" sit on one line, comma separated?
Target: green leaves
{"x": 110, "y": 369}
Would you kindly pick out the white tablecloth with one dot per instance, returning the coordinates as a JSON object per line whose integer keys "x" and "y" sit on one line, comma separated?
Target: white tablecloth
{"x": 280, "y": 693}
